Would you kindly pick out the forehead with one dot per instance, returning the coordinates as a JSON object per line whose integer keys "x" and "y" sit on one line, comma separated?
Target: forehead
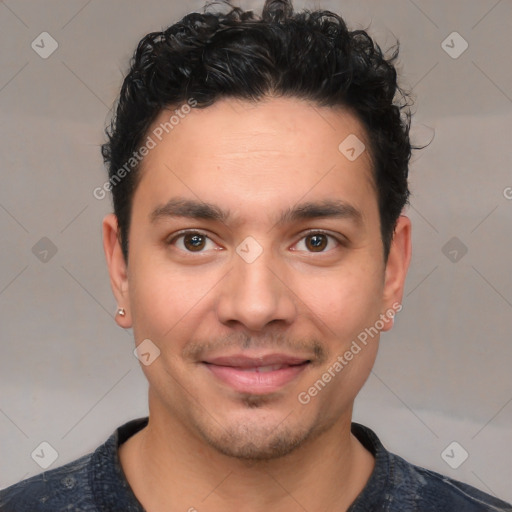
{"x": 272, "y": 150}
{"x": 284, "y": 124}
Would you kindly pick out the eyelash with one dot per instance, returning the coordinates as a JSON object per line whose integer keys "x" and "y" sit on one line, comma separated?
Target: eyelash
{"x": 181, "y": 234}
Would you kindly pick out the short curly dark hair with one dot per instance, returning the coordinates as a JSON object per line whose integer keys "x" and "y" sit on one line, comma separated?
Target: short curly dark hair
{"x": 309, "y": 55}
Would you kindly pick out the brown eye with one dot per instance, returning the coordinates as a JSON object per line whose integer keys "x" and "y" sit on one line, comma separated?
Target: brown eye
{"x": 194, "y": 242}
{"x": 316, "y": 242}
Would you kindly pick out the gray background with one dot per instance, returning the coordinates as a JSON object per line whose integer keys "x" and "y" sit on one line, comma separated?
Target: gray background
{"x": 68, "y": 374}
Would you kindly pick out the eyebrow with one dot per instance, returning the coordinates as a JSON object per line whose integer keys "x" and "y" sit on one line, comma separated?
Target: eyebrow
{"x": 190, "y": 208}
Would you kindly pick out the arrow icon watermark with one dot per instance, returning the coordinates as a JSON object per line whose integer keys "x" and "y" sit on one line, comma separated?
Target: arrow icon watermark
{"x": 146, "y": 352}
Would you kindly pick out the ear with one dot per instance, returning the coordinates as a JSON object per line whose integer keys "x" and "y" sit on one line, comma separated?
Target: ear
{"x": 396, "y": 267}
{"x": 117, "y": 268}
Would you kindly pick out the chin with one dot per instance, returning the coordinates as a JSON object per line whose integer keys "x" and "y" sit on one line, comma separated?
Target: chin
{"x": 250, "y": 445}
{"x": 258, "y": 437}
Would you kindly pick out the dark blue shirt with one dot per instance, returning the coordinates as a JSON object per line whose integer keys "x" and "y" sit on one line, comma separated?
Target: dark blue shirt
{"x": 96, "y": 483}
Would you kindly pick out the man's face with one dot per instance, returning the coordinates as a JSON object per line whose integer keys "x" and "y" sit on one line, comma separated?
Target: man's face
{"x": 250, "y": 309}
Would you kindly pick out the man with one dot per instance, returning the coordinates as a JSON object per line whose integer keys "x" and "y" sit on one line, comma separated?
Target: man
{"x": 258, "y": 168}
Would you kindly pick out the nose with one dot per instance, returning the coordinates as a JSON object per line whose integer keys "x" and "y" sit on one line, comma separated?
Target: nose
{"x": 255, "y": 294}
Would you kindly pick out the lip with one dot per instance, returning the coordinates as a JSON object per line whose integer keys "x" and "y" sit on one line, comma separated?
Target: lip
{"x": 263, "y": 374}
{"x": 246, "y": 361}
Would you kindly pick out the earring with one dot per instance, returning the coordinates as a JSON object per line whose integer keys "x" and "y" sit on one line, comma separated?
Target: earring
{"x": 121, "y": 312}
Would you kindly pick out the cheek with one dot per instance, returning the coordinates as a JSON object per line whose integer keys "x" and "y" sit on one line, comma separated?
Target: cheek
{"x": 166, "y": 300}
{"x": 346, "y": 301}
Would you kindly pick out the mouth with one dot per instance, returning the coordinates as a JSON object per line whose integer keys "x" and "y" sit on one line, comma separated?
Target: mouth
{"x": 256, "y": 375}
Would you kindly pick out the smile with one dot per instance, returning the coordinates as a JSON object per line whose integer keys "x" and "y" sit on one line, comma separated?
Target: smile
{"x": 261, "y": 375}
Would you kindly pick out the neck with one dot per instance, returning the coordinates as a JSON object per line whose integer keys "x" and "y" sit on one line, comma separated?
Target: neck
{"x": 169, "y": 468}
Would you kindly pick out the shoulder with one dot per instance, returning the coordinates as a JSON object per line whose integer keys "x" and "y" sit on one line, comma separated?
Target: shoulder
{"x": 90, "y": 483}
{"x": 397, "y": 485}
{"x": 61, "y": 489}
{"x": 430, "y": 491}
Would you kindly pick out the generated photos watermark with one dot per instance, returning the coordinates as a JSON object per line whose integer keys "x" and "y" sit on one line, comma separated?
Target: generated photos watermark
{"x": 150, "y": 143}
{"x": 304, "y": 397}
